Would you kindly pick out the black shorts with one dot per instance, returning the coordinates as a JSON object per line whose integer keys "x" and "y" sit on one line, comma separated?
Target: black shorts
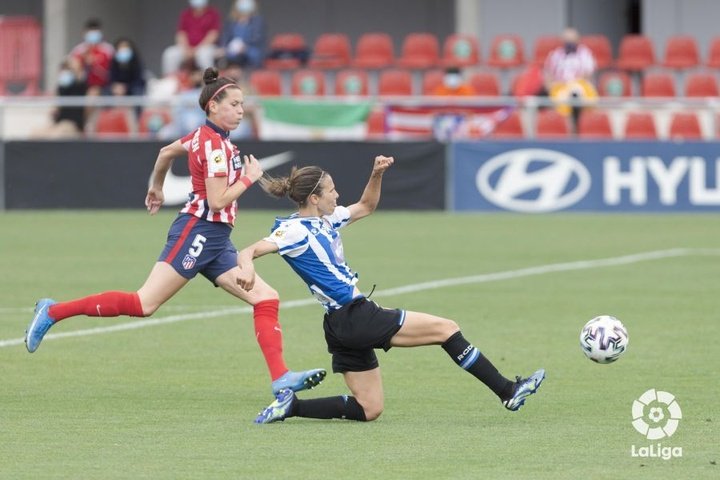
{"x": 355, "y": 330}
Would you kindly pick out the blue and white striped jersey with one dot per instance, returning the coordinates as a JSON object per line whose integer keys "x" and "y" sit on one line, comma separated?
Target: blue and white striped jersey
{"x": 313, "y": 248}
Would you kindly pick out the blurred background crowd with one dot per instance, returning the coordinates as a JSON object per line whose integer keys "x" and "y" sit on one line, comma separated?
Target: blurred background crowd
{"x": 572, "y": 55}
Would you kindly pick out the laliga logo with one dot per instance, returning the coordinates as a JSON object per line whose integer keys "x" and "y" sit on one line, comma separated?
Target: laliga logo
{"x": 664, "y": 413}
{"x": 533, "y": 180}
{"x": 656, "y": 414}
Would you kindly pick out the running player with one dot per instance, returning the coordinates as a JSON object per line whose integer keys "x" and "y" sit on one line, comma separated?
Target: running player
{"x": 354, "y": 326}
{"x": 199, "y": 238}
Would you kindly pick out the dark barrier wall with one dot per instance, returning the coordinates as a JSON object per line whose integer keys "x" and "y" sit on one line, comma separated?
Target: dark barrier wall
{"x": 116, "y": 174}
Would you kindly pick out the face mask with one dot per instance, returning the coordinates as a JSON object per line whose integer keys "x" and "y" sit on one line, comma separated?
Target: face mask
{"x": 570, "y": 47}
{"x": 65, "y": 78}
{"x": 198, "y": 3}
{"x": 123, "y": 55}
{"x": 245, "y": 6}
{"x": 93, "y": 36}
{"x": 452, "y": 80}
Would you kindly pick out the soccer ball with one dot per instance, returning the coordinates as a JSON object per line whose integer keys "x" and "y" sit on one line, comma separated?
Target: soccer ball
{"x": 604, "y": 339}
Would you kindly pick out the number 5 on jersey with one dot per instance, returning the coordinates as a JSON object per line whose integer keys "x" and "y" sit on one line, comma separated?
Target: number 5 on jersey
{"x": 197, "y": 245}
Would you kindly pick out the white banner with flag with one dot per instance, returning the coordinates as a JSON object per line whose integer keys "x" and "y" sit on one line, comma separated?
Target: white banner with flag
{"x": 292, "y": 119}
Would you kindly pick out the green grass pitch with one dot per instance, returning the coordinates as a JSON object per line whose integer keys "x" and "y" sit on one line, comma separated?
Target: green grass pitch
{"x": 177, "y": 400}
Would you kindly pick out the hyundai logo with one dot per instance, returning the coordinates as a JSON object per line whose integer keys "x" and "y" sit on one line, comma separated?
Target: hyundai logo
{"x": 533, "y": 180}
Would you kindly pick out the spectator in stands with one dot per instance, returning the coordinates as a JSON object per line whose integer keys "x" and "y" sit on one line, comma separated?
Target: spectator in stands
{"x": 197, "y": 33}
{"x": 568, "y": 73}
{"x": 186, "y": 115}
{"x": 67, "y": 121}
{"x": 244, "y": 36}
{"x": 95, "y": 56}
{"x": 127, "y": 76}
{"x": 453, "y": 84}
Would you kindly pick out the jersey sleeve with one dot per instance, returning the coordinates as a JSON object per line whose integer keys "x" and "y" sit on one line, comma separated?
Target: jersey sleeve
{"x": 291, "y": 238}
{"x": 339, "y": 218}
{"x": 209, "y": 153}
{"x": 186, "y": 141}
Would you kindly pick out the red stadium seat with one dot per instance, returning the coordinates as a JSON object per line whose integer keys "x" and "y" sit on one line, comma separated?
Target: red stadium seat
{"x": 289, "y": 49}
{"x": 700, "y": 84}
{"x": 351, "y": 82}
{"x": 714, "y": 54}
{"x": 550, "y": 124}
{"x": 614, "y": 84}
{"x": 511, "y": 127}
{"x": 266, "y": 82}
{"x": 153, "y": 119}
{"x": 601, "y": 49}
{"x": 636, "y": 53}
{"x": 594, "y": 124}
{"x": 374, "y": 51}
{"x": 461, "y": 51}
{"x": 395, "y": 82}
{"x": 685, "y": 126}
{"x": 431, "y": 80}
{"x": 485, "y": 84}
{"x": 529, "y": 82}
{"x": 544, "y": 44}
{"x": 658, "y": 84}
{"x": 308, "y": 82}
{"x": 681, "y": 52}
{"x": 112, "y": 122}
{"x": 419, "y": 51}
{"x": 20, "y": 55}
{"x": 640, "y": 125}
{"x": 507, "y": 51}
{"x": 331, "y": 51}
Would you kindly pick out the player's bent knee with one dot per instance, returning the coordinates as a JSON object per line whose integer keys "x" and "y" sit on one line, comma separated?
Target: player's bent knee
{"x": 451, "y": 327}
{"x": 372, "y": 413}
{"x": 371, "y": 407}
{"x": 148, "y": 310}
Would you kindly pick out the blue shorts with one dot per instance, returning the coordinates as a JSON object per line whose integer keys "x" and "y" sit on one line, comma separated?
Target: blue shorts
{"x": 195, "y": 245}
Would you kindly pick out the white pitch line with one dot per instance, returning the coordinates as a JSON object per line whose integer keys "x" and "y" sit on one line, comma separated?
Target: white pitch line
{"x": 417, "y": 287}
{"x": 176, "y": 306}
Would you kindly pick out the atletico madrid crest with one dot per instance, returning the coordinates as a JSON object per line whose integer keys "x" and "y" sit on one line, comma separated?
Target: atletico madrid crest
{"x": 188, "y": 262}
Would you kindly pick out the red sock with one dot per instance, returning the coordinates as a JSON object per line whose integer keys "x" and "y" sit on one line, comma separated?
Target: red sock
{"x": 106, "y": 304}
{"x": 269, "y": 336}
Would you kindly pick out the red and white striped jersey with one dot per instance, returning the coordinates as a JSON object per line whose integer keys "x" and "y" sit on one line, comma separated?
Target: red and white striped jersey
{"x": 210, "y": 154}
{"x": 564, "y": 67}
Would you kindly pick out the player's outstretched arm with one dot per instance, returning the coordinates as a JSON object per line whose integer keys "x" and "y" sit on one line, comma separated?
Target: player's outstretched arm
{"x": 246, "y": 278}
{"x": 371, "y": 195}
{"x": 155, "y": 197}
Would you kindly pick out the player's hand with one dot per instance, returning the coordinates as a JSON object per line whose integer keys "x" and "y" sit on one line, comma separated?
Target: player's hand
{"x": 246, "y": 279}
{"x": 154, "y": 200}
{"x": 252, "y": 167}
{"x": 382, "y": 163}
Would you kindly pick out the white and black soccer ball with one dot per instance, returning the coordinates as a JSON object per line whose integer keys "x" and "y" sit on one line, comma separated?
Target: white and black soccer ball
{"x": 604, "y": 339}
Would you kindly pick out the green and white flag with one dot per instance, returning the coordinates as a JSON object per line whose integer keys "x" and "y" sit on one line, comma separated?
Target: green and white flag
{"x": 288, "y": 119}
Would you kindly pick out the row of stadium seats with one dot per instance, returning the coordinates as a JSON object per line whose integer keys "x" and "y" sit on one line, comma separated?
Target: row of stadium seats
{"x": 549, "y": 125}
{"x": 21, "y": 60}
{"x": 122, "y": 122}
{"x": 422, "y": 50}
{"x": 592, "y": 125}
{"x": 395, "y": 81}
{"x": 597, "y": 124}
